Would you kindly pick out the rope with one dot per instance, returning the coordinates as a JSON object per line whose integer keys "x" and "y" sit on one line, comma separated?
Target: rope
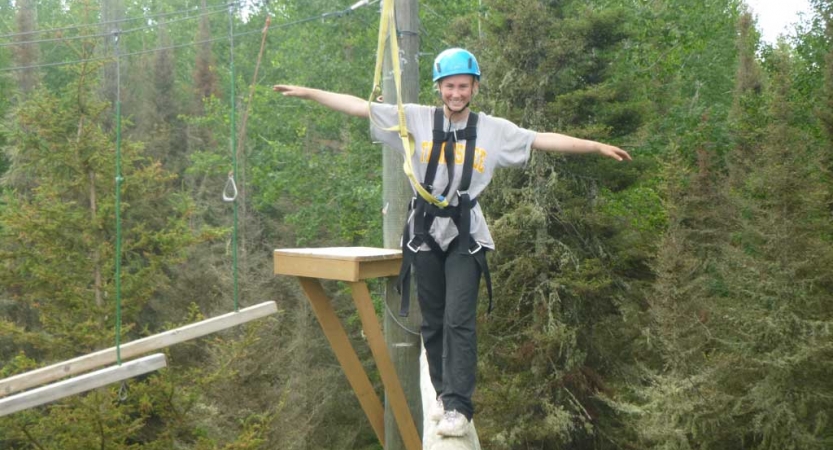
{"x": 233, "y": 135}
{"x": 237, "y": 150}
{"x": 119, "y": 180}
{"x": 400, "y": 324}
{"x": 176, "y": 46}
{"x": 242, "y": 131}
{"x": 387, "y": 32}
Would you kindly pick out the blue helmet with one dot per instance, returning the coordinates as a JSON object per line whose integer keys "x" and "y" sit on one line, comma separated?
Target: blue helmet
{"x": 455, "y": 61}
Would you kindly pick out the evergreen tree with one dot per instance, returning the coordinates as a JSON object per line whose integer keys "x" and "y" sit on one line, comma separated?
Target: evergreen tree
{"x": 205, "y": 77}
{"x": 58, "y": 256}
{"x": 26, "y": 52}
{"x": 572, "y": 251}
{"x": 735, "y": 315}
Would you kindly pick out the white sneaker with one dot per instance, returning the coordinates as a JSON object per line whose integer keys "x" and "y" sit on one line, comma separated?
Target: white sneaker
{"x": 435, "y": 414}
{"x": 453, "y": 424}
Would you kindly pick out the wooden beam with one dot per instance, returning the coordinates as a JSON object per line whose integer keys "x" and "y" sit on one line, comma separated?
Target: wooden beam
{"x": 83, "y": 383}
{"x": 345, "y": 354}
{"x": 393, "y": 390}
{"x": 133, "y": 349}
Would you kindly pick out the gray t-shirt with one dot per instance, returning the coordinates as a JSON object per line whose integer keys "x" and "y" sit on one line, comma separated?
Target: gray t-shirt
{"x": 500, "y": 143}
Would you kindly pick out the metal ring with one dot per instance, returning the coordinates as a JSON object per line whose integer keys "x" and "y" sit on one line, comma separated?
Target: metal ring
{"x": 233, "y": 196}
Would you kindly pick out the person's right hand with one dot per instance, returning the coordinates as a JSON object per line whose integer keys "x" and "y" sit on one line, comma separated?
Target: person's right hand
{"x": 290, "y": 91}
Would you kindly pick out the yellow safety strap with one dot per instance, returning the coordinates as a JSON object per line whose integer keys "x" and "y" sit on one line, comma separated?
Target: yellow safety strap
{"x": 387, "y": 30}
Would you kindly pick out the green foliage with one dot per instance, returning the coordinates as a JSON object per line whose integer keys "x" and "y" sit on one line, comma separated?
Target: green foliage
{"x": 738, "y": 307}
{"x": 570, "y": 261}
{"x": 680, "y": 301}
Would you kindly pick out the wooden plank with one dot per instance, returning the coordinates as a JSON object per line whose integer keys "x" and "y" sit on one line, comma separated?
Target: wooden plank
{"x": 83, "y": 383}
{"x": 376, "y": 341}
{"x": 314, "y": 267}
{"x": 346, "y": 355}
{"x": 379, "y": 269}
{"x": 132, "y": 349}
{"x": 343, "y": 253}
{"x": 338, "y": 263}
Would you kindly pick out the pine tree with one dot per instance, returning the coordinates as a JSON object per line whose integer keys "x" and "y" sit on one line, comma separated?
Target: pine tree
{"x": 57, "y": 253}
{"x": 563, "y": 226}
{"x": 740, "y": 318}
{"x": 26, "y": 52}
{"x": 205, "y": 77}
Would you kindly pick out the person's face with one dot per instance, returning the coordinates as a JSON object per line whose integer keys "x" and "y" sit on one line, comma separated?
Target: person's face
{"x": 456, "y": 91}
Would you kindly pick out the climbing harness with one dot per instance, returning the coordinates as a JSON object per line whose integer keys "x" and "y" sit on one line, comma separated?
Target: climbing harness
{"x": 423, "y": 212}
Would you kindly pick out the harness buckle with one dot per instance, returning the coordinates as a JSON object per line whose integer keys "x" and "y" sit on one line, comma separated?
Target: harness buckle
{"x": 411, "y": 247}
{"x": 461, "y": 193}
{"x": 477, "y": 248}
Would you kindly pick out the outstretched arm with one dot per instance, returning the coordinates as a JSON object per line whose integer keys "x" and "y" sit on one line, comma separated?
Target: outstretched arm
{"x": 344, "y": 103}
{"x": 560, "y": 143}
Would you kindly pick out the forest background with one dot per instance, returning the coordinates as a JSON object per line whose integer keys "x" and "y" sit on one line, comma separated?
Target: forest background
{"x": 682, "y": 301}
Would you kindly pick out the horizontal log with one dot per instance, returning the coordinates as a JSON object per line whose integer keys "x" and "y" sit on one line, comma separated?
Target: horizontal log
{"x": 87, "y": 382}
{"x": 133, "y": 349}
{"x": 430, "y": 439}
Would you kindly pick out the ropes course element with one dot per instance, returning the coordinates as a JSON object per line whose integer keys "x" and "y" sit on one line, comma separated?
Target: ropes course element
{"x": 83, "y": 383}
{"x": 230, "y": 189}
{"x": 122, "y": 372}
{"x": 133, "y": 349}
{"x": 237, "y": 150}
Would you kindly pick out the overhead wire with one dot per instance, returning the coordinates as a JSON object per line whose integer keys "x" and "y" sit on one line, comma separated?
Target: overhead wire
{"x": 110, "y": 33}
{"x": 108, "y": 58}
{"x": 336, "y": 14}
{"x": 111, "y": 22}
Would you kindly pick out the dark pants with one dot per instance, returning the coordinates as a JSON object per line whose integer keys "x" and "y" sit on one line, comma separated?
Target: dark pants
{"x": 447, "y": 287}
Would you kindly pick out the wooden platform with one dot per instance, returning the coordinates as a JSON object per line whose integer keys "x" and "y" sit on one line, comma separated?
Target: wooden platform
{"x": 338, "y": 263}
{"x": 354, "y": 265}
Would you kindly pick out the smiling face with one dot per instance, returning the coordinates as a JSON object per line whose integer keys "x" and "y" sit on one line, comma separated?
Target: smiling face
{"x": 456, "y": 92}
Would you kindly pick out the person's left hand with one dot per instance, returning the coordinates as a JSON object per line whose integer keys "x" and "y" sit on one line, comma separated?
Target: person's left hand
{"x": 614, "y": 152}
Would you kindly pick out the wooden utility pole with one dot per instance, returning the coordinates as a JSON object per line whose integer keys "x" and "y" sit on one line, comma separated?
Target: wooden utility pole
{"x": 401, "y": 333}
